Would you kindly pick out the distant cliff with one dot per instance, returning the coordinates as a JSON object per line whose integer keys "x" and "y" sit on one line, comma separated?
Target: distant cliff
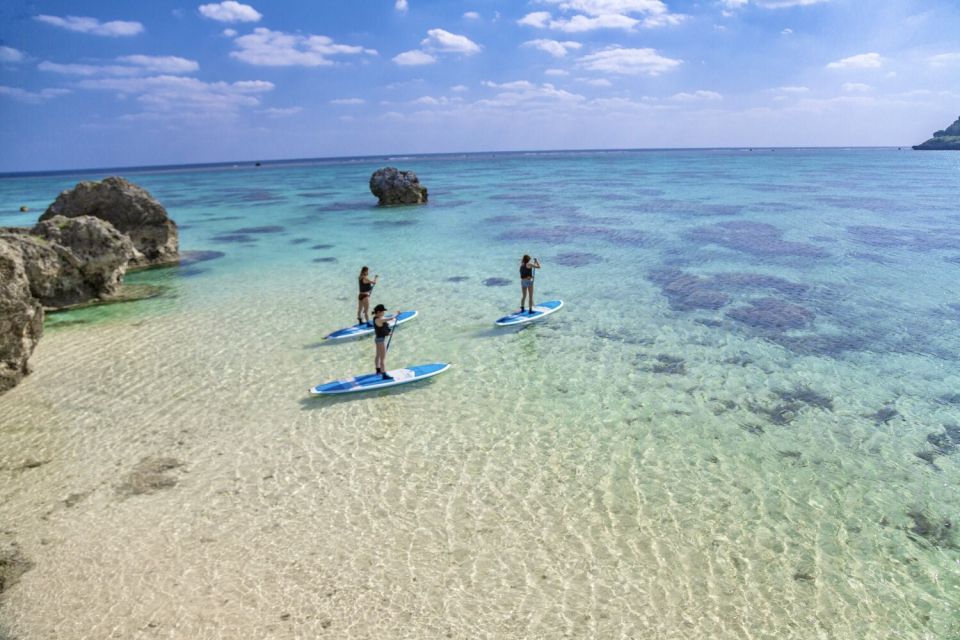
{"x": 946, "y": 140}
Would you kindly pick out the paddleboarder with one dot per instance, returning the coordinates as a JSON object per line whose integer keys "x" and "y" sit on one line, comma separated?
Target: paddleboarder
{"x": 382, "y": 328}
{"x": 526, "y": 281}
{"x": 363, "y": 300}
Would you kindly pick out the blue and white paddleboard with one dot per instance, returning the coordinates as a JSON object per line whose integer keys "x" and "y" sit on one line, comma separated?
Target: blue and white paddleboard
{"x": 371, "y": 381}
{"x": 364, "y": 329}
{"x": 539, "y": 312}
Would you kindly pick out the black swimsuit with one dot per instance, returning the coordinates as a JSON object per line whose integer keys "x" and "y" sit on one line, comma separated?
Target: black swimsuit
{"x": 381, "y": 331}
{"x": 365, "y": 288}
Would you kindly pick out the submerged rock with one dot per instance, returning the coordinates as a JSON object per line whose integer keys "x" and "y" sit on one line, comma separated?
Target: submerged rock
{"x": 148, "y": 476}
{"x": 772, "y": 314}
{"x": 129, "y": 208}
{"x": 392, "y": 187}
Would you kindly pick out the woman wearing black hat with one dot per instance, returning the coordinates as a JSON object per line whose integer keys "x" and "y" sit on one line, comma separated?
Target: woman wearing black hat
{"x": 382, "y": 329}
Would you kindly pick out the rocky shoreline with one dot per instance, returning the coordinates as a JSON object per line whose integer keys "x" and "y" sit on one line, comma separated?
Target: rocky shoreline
{"x": 77, "y": 253}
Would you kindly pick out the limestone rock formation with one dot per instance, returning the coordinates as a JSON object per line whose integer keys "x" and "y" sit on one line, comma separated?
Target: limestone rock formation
{"x": 392, "y": 187}
{"x": 73, "y": 260}
{"x": 61, "y": 262}
{"x": 21, "y": 316}
{"x": 129, "y": 208}
{"x": 945, "y": 140}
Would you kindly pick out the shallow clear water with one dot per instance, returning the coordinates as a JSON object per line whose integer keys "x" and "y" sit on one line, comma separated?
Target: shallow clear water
{"x": 717, "y": 437}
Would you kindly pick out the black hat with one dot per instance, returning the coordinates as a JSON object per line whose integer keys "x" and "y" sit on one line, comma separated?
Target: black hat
{"x": 379, "y": 308}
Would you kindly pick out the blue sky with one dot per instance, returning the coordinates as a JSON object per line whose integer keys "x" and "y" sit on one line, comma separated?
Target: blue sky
{"x": 94, "y": 84}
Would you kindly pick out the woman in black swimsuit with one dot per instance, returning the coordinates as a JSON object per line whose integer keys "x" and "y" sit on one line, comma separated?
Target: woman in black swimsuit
{"x": 363, "y": 300}
{"x": 382, "y": 329}
{"x": 526, "y": 281}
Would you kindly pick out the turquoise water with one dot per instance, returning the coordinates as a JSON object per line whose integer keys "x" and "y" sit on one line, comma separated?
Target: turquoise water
{"x": 743, "y": 423}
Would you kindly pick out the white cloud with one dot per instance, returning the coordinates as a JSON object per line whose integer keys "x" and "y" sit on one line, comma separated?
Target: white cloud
{"x": 413, "y": 58}
{"x": 9, "y": 54}
{"x": 280, "y": 112}
{"x": 794, "y": 89}
{"x": 624, "y": 61}
{"x": 554, "y": 47}
{"x": 596, "y": 82}
{"x": 603, "y": 14}
{"x": 269, "y": 48}
{"x": 348, "y": 101}
{"x": 114, "y": 28}
{"x": 460, "y": 88}
{"x": 697, "y": 96}
{"x": 861, "y": 61}
{"x": 471, "y": 15}
{"x": 230, "y": 11}
{"x": 31, "y": 97}
{"x": 161, "y": 64}
{"x": 787, "y": 32}
{"x": 401, "y": 6}
{"x": 522, "y": 91}
{"x": 771, "y": 4}
{"x": 556, "y": 72}
{"x": 537, "y": 19}
{"x": 441, "y": 40}
{"x": 230, "y": 33}
{"x": 856, "y": 87}
{"x": 944, "y": 59}
{"x": 132, "y": 66}
{"x": 175, "y": 97}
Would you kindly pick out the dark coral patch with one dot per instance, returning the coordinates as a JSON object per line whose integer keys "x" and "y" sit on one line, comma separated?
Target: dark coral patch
{"x": 325, "y": 259}
{"x": 807, "y": 396}
{"x": 871, "y": 257}
{"x": 577, "y": 259}
{"x": 265, "y": 229}
{"x": 883, "y": 415}
{"x": 686, "y": 291}
{"x": 772, "y": 314}
{"x": 934, "y": 531}
{"x": 193, "y": 257}
{"x": 669, "y": 364}
{"x": 754, "y": 238}
{"x": 241, "y": 238}
{"x": 742, "y": 280}
{"x": 458, "y": 278}
{"x": 299, "y": 240}
{"x": 395, "y": 223}
{"x": 947, "y": 442}
{"x": 322, "y": 246}
{"x": 496, "y": 282}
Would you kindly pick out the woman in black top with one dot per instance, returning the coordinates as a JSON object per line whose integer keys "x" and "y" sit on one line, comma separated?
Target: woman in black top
{"x": 526, "y": 281}
{"x": 382, "y": 329}
{"x": 363, "y": 300}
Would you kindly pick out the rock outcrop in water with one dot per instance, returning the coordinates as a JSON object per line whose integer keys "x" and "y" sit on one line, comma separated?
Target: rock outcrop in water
{"x": 392, "y": 187}
{"x": 946, "y": 140}
{"x": 129, "y": 208}
{"x": 58, "y": 263}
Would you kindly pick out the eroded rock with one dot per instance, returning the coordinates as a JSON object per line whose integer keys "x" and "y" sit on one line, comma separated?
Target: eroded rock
{"x": 129, "y": 208}
{"x": 393, "y": 187}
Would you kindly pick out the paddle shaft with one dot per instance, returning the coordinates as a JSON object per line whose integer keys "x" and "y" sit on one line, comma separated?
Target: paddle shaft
{"x": 396, "y": 324}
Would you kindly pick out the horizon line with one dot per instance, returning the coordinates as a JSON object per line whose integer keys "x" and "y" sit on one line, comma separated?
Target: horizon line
{"x": 435, "y": 154}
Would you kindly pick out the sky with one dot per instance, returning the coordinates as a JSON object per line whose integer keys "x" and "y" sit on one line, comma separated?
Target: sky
{"x": 91, "y": 83}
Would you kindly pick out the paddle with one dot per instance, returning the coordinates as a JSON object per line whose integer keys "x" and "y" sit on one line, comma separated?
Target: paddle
{"x": 396, "y": 324}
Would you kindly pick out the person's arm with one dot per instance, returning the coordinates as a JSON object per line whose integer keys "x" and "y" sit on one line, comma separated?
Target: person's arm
{"x": 396, "y": 317}
{"x": 536, "y": 263}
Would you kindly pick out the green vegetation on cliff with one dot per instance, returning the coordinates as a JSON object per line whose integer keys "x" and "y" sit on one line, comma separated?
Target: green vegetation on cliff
{"x": 947, "y": 139}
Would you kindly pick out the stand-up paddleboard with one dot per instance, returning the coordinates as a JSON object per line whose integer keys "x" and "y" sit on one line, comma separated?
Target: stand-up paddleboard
{"x": 539, "y": 312}
{"x": 371, "y": 381}
{"x": 364, "y": 329}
